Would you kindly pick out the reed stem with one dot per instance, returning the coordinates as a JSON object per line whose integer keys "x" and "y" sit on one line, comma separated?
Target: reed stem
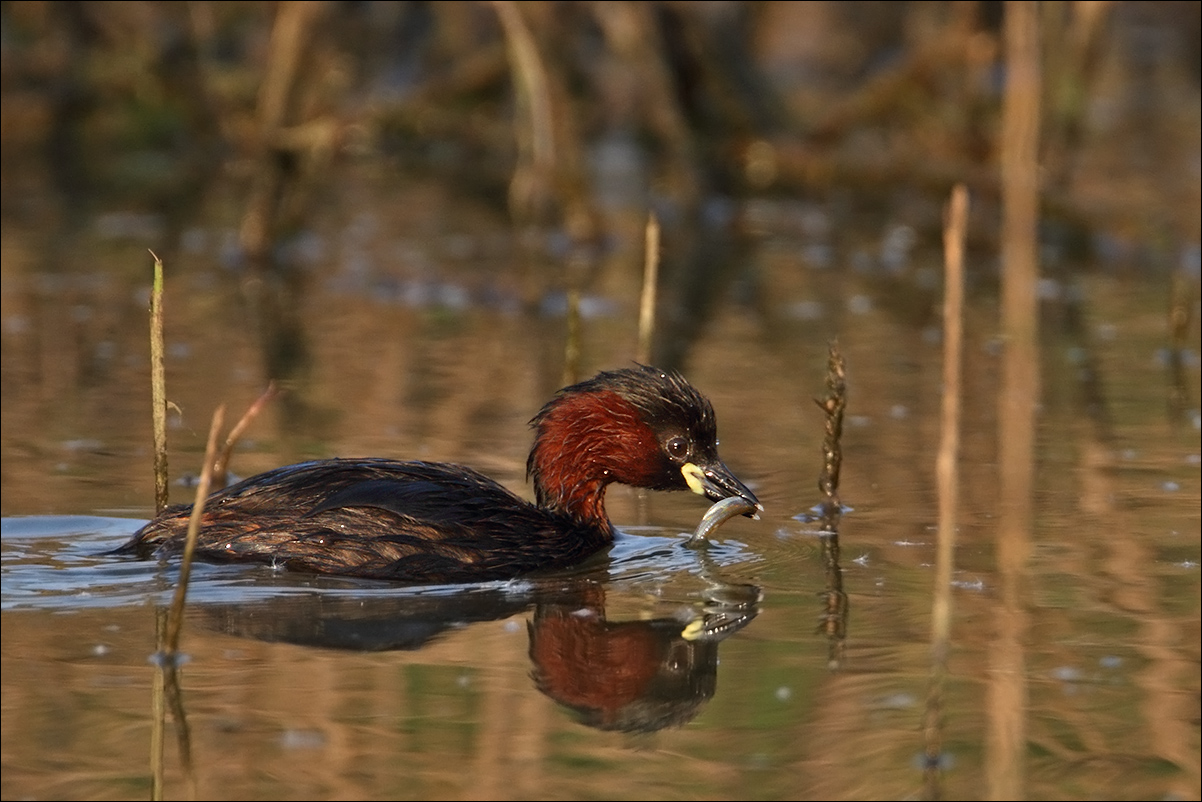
{"x": 158, "y": 389}
{"x": 650, "y": 283}
{"x": 175, "y": 619}
{"x": 946, "y": 476}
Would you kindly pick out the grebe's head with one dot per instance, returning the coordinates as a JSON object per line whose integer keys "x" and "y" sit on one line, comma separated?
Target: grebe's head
{"x": 638, "y": 426}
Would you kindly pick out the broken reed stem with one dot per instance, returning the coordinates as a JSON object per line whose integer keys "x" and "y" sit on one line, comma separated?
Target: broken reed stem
{"x": 833, "y": 405}
{"x": 175, "y": 619}
{"x": 835, "y": 604}
{"x": 222, "y": 463}
{"x": 650, "y": 281}
{"x": 946, "y": 476}
{"x": 158, "y": 388}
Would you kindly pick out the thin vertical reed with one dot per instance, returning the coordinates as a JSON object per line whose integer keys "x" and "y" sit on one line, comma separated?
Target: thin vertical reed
{"x": 158, "y": 388}
{"x": 1007, "y": 694}
{"x": 949, "y": 437}
{"x": 946, "y": 475}
{"x": 650, "y": 282}
{"x": 175, "y": 619}
{"x": 832, "y": 451}
{"x": 835, "y": 606}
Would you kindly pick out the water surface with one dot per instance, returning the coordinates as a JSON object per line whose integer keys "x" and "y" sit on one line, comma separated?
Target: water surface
{"x": 766, "y": 666}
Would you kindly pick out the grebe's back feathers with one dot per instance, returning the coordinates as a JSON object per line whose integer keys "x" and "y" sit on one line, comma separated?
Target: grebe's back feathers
{"x": 420, "y": 521}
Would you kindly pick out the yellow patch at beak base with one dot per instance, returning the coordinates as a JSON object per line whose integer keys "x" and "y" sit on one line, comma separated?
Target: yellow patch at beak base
{"x": 693, "y": 477}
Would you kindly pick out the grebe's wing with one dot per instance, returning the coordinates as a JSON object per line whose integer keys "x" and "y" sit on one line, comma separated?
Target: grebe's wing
{"x": 390, "y": 495}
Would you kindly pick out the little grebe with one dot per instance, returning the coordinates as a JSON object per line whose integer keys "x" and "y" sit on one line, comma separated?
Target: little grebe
{"x": 438, "y": 522}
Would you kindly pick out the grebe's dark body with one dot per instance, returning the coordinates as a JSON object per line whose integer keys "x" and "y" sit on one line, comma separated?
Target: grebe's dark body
{"x": 439, "y": 522}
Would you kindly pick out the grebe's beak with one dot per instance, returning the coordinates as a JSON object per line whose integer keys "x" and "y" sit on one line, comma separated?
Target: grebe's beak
{"x": 716, "y": 482}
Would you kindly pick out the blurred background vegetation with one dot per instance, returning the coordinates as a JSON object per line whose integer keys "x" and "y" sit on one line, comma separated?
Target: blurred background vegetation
{"x": 329, "y": 160}
{"x": 548, "y": 107}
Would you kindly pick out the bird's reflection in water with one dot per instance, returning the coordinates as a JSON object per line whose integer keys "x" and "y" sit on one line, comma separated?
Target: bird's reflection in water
{"x": 332, "y": 618}
{"x": 630, "y": 675}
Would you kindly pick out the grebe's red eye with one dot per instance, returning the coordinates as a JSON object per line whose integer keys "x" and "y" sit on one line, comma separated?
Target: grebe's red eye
{"x": 677, "y": 448}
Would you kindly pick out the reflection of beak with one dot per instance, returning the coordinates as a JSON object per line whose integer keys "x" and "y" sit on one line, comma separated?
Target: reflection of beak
{"x": 716, "y": 482}
{"x": 729, "y": 608}
{"x": 717, "y": 626}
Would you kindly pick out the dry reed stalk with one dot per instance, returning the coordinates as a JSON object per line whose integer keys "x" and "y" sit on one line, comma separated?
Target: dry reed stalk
{"x": 835, "y": 603}
{"x": 1006, "y": 692}
{"x": 222, "y": 464}
{"x": 832, "y": 452}
{"x": 650, "y": 283}
{"x": 176, "y": 616}
{"x": 158, "y": 388}
{"x": 946, "y": 476}
{"x": 949, "y": 437}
